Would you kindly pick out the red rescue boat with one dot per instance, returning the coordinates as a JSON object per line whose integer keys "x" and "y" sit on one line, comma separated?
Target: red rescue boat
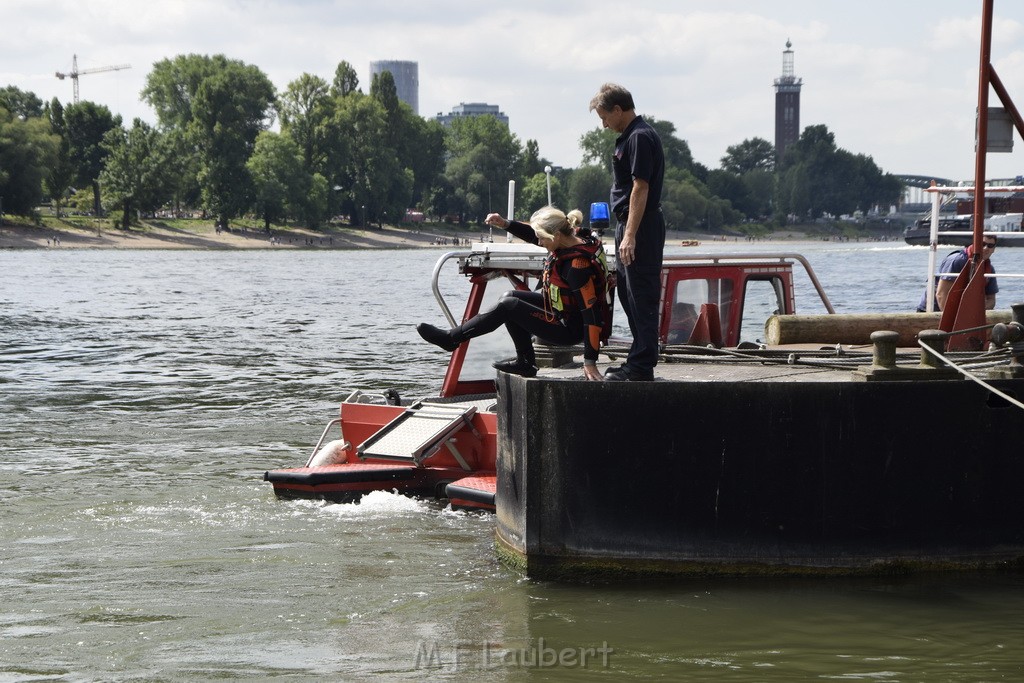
{"x": 446, "y": 446}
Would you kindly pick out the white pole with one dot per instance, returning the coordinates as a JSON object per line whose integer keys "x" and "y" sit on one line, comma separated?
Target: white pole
{"x": 511, "y": 205}
{"x": 933, "y": 245}
{"x": 547, "y": 172}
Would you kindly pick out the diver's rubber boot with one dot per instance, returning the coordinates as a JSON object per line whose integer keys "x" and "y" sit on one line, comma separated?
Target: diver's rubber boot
{"x": 437, "y": 336}
{"x": 516, "y": 367}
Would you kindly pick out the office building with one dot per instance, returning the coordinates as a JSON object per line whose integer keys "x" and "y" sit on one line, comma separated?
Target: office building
{"x": 472, "y": 109}
{"x": 407, "y": 79}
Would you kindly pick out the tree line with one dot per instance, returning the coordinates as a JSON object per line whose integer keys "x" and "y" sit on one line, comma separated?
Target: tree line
{"x": 339, "y": 151}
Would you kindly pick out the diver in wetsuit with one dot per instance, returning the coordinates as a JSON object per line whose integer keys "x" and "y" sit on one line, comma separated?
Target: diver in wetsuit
{"x": 569, "y": 308}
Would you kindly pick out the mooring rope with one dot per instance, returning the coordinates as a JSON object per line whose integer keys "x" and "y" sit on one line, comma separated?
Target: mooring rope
{"x": 971, "y": 376}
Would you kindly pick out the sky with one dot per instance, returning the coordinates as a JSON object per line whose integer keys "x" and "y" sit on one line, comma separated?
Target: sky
{"x": 892, "y": 79}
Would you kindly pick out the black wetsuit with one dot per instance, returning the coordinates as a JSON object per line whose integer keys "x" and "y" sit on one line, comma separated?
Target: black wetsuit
{"x": 529, "y": 313}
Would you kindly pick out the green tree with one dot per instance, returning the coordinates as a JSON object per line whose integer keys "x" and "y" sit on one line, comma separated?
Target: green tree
{"x": 533, "y": 162}
{"x": 87, "y": 124}
{"x": 316, "y": 201}
{"x": 182, "y": 169}
{"x": 598, "y": 147}
{"x": 61, "y": 173}
{"x": 230, "y": 108}
{"x": 27, "y": 149}
{"x": 172, "y": 85}
{"x": 588, "y": 184}
{"x": 761, "y": 190}
{"x": 171, "y": 89}
{"x": 483, "y": 155}
{"x": 730, "y": 187}
{"x": 304, "y": 109}
{"x": 534, "y": 194}
{"x": 423, "y": 152}
{"x": 683, "y": 205}
{"x": 21, "y": 103}
{"x": 819, "y": 178}
{"x": 384, "y": 91}
{"x": 134, "y": 176}
{"x": 677, "y": 150}
{"x": 280, "y": 182}
{"x": 372, "y": 181}
{"x": 346, "y": 81}
{"x": 749, "y": 155}
{"x": 418, "y": 145}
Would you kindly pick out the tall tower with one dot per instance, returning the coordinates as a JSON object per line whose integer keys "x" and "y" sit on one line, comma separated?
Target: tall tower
{"x": 787, "y": 105}
{"x": 407, "y": 80}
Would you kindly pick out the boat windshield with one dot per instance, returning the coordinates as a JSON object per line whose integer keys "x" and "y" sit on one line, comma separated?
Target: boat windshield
{"x": 687, "y": 300}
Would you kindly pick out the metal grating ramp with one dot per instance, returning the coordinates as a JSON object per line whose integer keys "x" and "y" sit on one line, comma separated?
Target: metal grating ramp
{"x": 418, "y": 432}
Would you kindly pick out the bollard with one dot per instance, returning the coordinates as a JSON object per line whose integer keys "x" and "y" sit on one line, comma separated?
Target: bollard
{"x": 933, "y": 339}
{"x": 884, "y": 355}
{"x": 883, "y": 362}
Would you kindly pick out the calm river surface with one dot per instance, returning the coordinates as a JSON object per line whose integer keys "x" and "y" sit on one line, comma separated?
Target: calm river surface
{"x": 143, "y": 394}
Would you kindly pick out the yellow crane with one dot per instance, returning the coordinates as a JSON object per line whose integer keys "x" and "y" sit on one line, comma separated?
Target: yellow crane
{"x": 75, "y": 73}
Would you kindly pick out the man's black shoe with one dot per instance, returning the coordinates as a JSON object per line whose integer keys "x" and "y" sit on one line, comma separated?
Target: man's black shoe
{"x": 515, "y": 367}
{"x": 612, "y": 368}
{"x": 437, "y": 336}
{"x": 624, "y": 374}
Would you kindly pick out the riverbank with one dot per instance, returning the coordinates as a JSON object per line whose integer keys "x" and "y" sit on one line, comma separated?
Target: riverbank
{"x": 201, "y": 234}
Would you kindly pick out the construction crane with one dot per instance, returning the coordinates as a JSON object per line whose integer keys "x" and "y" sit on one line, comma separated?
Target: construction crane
{"x": 75, "y": 73}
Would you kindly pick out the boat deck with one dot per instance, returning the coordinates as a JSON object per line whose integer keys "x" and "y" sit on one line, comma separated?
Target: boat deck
{"x": 725, "y": 371}
{"x": 806, "y": 363}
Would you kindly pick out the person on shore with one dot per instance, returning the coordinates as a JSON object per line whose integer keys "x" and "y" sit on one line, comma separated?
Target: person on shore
{"x": 638, "y": 170}
{"x": 569, "y": 308}
{"x": 951, "y": 267}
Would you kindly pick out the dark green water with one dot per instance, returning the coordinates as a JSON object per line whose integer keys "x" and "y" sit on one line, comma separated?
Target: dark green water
{"x": 142, "y": 394}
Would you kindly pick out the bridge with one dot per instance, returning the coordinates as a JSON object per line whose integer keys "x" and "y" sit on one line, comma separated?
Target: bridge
{"x": 916, "y": 200}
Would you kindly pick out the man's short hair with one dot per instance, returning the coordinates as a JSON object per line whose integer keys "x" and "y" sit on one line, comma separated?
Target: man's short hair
{"x": 610, "y": 95}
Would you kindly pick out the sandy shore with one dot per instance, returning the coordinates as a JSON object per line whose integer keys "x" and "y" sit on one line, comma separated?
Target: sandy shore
{"x": 18, "y": 236}
{"x": 204, "y": 237}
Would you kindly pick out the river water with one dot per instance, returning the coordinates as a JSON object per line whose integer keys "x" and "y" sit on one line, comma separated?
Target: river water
{"x": 143, "y": 394}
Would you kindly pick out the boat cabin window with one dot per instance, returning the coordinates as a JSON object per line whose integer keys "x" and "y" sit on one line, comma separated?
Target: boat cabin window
{"x": 689, "y": 296}
{"x": 762, "y": 298}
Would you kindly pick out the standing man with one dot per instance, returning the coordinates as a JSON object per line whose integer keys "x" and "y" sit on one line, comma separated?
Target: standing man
{"x": 638, "y": 170}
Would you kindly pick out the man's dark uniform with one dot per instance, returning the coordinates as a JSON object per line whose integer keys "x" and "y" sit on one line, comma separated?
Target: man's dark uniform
{"x": 638, "y": 154}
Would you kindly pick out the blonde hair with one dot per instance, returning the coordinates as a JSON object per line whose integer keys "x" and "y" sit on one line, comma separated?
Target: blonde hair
{"x": 549, "y": 221}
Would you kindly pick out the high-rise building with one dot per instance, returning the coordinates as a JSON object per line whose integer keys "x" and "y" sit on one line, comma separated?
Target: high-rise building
{"x": 787, "y": 105}
{"x": 407, "y": 79}
{"x": 472, "y": 109}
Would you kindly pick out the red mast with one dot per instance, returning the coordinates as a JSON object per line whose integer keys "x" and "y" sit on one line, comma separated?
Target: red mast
{"x": 965, "y": 307}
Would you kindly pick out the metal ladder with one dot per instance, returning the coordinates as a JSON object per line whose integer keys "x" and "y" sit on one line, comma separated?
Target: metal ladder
{"x": 419, "y": 432}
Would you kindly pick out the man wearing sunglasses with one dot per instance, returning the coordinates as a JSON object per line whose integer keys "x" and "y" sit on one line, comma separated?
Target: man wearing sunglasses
{"x": 951, "y": 267}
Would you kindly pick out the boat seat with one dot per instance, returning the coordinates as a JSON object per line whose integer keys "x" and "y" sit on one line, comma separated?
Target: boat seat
{"x": 708, "y": 328}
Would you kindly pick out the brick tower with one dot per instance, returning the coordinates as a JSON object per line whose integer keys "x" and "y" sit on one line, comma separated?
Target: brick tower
{"x": 787, "y": 105}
